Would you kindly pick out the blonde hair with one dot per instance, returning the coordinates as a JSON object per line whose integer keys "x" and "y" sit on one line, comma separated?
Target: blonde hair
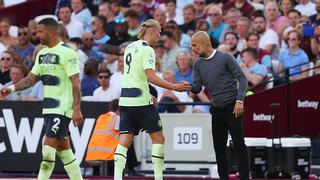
{"x": 150, "y": 23}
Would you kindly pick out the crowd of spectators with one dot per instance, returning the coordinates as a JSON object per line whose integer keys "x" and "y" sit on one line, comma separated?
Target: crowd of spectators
{"x": 266, "y": 37}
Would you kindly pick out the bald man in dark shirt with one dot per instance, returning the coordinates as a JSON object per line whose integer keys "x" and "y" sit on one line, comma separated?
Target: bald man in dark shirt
{"x": 219, "y": 73}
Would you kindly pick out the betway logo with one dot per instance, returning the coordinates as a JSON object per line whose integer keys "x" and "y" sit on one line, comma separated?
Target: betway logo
{"x": 262, "y": 117}
{"x": 31, "y": 135}
{"x": 308, "y": 104}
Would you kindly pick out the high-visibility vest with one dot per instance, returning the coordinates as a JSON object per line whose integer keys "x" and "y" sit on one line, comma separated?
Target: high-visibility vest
{"x": 104, "y": 139}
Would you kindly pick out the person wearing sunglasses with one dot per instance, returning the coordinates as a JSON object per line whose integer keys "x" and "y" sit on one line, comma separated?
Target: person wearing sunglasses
{"x": 105, "y": 92}
{"x": 24, "y": 49}
{"x": 32, "y": 26}
{"x": 6, "y": 61}
{"x": 293, "y": 56}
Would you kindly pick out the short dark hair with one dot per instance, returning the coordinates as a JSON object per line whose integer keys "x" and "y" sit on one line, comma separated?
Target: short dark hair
{"x": 49, "y": 23}
{"x": 258, "y": 13}
{"x": 169, "y": 34}
{"x": 103, "y": 69}
{"x": 169, "y": 1}
{"x": 102, "y": 19}
{"x": 114, "y": 105}
{"x": 252, "y": 34}
{"x": 233, "y": 33}
{"x": 91, "y": 67}
{"x": 253, "y": 52}
{"x": 131, "y": 13}
{"x": 294, "y": 11}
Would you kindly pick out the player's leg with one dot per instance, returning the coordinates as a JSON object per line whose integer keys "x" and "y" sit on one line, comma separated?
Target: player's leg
{"x": 69, "y": 160}
{"x": 127, "y": 129}
{"x": 152, "y": 124}
{"x": 120, "y": 155}
{"x": 157, "y": 154}
{"x": 48, "y": 158}
{"x": 49, "y": 147}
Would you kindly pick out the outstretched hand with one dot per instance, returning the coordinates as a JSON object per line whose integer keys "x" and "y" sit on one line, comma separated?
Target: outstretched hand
{"x": 183, "y": 86}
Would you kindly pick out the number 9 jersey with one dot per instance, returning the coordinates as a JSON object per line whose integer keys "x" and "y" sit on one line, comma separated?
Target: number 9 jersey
{"x": 138, "y": 57}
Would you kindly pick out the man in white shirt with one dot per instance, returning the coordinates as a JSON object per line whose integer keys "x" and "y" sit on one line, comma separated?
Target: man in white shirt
{"x": 73, "y": 26}
{"x": 269, "y": 40}
{"x": 105, "y": 92}
{"x": 306, "y": 8}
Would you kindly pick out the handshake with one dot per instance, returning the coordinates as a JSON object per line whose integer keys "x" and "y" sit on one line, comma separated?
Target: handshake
{"x": 182, "y": 86}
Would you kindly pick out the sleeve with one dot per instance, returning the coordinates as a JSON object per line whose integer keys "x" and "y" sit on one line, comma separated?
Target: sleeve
{"x": 266, "y": 61}
{"x": 196, "y": 79}
{"x": 272, "y": 38}
{"x": 36, "y": 70}
{"x": 305, "y": 60}
{"x": 72, "y": 63}
{"x": 149, "y": 59}
{"x": 234, "y": 67}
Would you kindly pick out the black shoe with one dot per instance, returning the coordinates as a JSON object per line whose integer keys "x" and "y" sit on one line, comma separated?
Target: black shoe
{"x": 134, "y": 173}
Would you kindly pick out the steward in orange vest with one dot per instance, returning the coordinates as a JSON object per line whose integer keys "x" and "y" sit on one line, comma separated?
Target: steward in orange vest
{"x": 104, "y": 139}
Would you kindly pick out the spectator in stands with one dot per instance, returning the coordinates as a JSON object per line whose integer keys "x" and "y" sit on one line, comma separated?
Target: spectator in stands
{"x": 76, "y": 43}
{"x": 82, "y": 14}
{"x": 286, "y": 6}
{"x": 199, "y": 6}
{"x": 6, "y": 39}
{"x": 183, "y": 39}
{"x": 172, "y": 50}
{"x": 63, "y": 33}
{"x": 242, "y": 5}
{"x": 217, "y": 27}
{"x": 32, "y": 26}
{"x": 269, "y": 40}
{"x": 294, "y": 58}
{"x": 231, "y": 39}
{"x": 254, "y": 71}
{"x": 24, "y": 49}
{"x": 73, "y": 26}
{"x": 100, "y": 37}
{"x": 6, "y": 61}
{"x": 232, "y": 17}
{"x": 87, "y": 48}
{"x": 105, "y": 92}
{"x": 89, "y": 82}
{"x": 203, "y": 25}
{"x": 306, "y": 8}
{"x": 36, "y": 93}
{"x": 160, "y": 51}
{"x": 160, "y": 16}
{"x": 242, "y": 30}
{"x": 17, "y": 73}
{"x": 315, "y": 19}
{"x": 317, "y": 67}
{"x": 133, "y": 22}
{"x": 104, "y": 10}
{"x": 309, "y": 42}
{"x": 121, "y": 35}
{"x": 172, "y": 96}
{"x": 171, "y": 14}
{"x": 150, "y": 6}
{"x": 138, "y": 6}
{"x": 189, "y": 18}
{"x": 294, "y": 18}
{"x": 116, "y": 7}
{"x": 117, "y": 76}
{"x": 184, "y": 63}
{"x": 274, "y": 21}
{"x": 263, "y": 56}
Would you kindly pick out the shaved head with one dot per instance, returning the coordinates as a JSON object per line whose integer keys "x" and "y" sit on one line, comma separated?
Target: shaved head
{"x": 202, "y": 38}
{"x": 201, "y": 44}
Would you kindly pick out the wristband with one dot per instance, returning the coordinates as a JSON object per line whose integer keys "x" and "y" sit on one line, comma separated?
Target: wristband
{"x": 238, "y": 101}
{"x": 12, "y": 88}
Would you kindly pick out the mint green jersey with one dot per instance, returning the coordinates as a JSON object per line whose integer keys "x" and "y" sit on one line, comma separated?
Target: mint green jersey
{"x": 138, "y": 57}
{"x": 54, "y": 66}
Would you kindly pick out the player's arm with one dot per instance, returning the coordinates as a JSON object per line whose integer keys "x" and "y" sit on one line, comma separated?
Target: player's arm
{"x": 76, "y": 92}
{"x": 23, "y": 84}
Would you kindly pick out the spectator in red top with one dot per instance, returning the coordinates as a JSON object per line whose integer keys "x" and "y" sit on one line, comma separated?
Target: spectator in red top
{"x": 242, "y": 5}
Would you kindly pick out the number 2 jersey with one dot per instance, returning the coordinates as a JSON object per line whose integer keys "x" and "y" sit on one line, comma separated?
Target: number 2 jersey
{"x": 54, "y": 66}
{"x": 138, "y": 57}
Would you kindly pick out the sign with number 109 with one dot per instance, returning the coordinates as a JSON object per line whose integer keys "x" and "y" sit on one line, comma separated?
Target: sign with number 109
{"x": 187, "y": 138}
